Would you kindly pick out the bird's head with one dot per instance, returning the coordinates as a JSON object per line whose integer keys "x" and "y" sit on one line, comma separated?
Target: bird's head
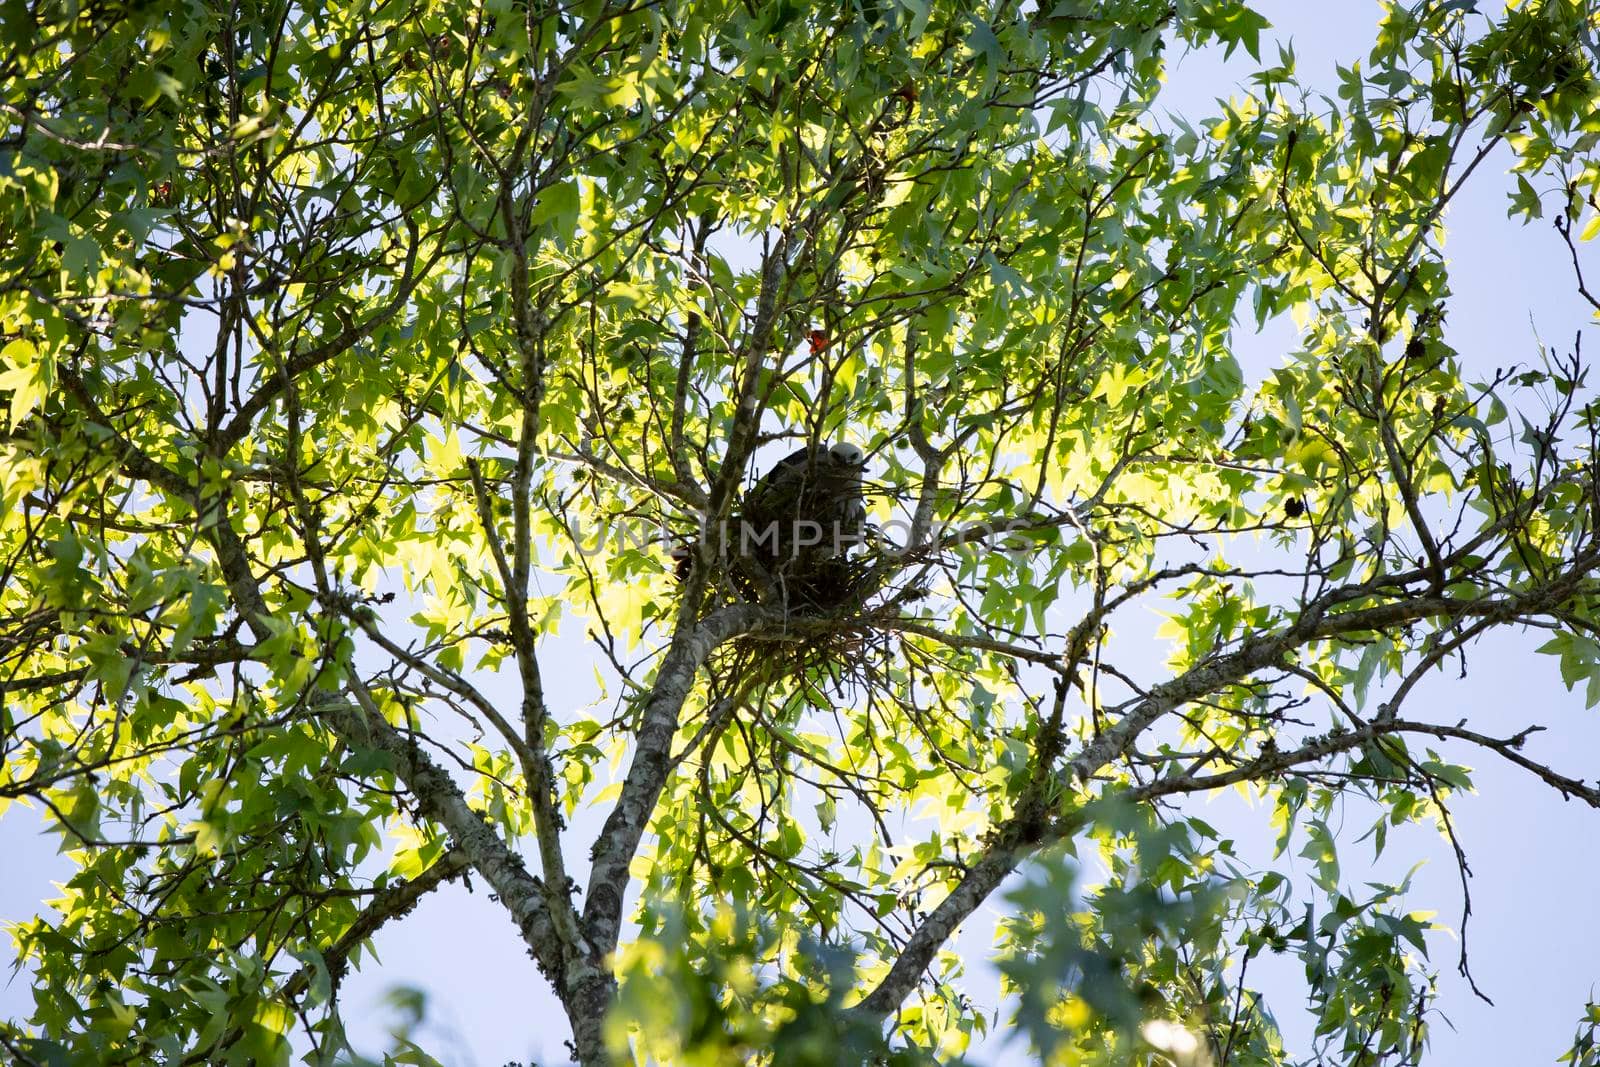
{"x": 847, "y": 455}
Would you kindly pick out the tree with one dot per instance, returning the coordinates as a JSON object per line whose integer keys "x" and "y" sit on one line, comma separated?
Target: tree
{"x": 349, "y": 348}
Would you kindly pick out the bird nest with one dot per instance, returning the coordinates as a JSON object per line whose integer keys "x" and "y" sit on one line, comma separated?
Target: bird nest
{"x": 817, "y": 587}
{"x": 819, "y": 649}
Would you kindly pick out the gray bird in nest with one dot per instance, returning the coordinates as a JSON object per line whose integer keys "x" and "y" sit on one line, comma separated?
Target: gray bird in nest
{"x": 808, "y": 506}
{"x": 806, "y": 510}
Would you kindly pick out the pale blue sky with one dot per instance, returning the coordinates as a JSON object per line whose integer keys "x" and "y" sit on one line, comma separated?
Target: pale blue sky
{"x": 1534, "y": 935}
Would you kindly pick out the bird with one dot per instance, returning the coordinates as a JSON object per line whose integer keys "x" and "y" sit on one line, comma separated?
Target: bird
{"x": 796, "y": 522}
{"x": 809, "y": 506}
